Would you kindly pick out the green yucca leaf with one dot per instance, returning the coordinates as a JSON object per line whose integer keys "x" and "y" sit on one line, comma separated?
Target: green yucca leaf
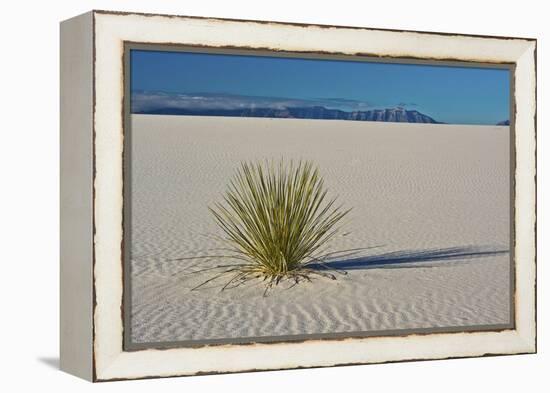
{"x": 276, "y": 217}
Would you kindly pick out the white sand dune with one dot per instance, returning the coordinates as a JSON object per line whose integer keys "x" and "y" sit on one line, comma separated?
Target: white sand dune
{"x": 430, "y": 216}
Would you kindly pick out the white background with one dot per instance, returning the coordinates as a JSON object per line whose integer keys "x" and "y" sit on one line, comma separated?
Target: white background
{"x": 29, "y": 224}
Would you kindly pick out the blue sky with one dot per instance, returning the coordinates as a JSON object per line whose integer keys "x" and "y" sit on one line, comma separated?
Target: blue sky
{"x": 460, "y": 95}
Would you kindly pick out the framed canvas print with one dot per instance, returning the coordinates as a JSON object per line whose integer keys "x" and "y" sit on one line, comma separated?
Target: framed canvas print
{"x": 245, "y": 195}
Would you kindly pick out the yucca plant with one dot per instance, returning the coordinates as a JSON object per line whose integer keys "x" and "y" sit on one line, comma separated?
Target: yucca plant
{"x": 276, "y": 218}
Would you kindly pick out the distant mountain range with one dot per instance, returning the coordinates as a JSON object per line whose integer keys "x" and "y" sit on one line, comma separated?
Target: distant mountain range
{"x": 503, "y": 123}
{"x": 400, "y": 115}
{"x": 236, "y": 105}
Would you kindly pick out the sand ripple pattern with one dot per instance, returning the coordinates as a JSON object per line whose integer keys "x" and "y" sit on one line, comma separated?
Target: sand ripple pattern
{"x": 431, "y": 212}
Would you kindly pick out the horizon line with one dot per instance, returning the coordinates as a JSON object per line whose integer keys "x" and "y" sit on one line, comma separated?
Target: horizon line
{"x": 236, "y": 105}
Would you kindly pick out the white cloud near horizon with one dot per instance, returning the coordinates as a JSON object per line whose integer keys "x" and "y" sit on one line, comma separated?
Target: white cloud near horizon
{"x": 150, "y": 100}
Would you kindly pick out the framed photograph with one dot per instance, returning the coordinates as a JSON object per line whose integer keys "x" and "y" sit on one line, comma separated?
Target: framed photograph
{"x": 246, "y": 195}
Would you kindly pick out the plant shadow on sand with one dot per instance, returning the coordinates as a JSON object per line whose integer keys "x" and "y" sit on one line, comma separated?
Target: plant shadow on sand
{"x": 345, "y": 261}
{"x": 407, "y": 259}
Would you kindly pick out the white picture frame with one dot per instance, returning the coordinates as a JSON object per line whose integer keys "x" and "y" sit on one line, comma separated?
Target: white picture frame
{"x": 92, "y": 141}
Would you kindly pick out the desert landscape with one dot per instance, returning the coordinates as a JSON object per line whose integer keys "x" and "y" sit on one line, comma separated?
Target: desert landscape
{"x": 426, "y": 244}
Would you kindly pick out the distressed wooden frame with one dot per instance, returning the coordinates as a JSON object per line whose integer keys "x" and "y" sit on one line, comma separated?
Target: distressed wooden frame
{"x": 92, "y": 132}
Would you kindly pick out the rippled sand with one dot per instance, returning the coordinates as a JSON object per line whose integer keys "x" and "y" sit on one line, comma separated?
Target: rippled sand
{"x": 430, "y": 219}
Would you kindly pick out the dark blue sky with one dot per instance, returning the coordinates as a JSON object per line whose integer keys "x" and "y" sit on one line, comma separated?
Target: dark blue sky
{"x": 461, "y": 95}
